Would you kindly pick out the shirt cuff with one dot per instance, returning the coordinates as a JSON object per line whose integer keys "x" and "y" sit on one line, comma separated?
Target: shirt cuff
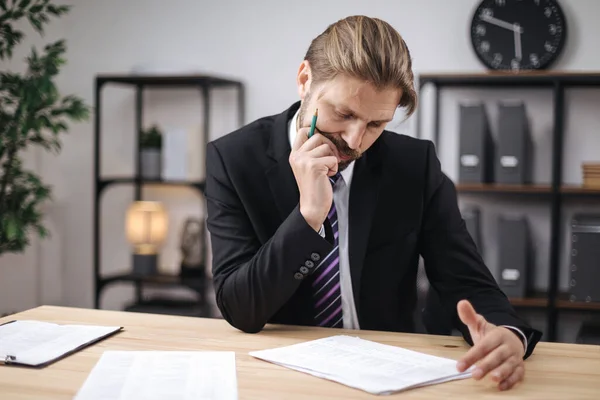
{"x": 520, "y": 332}
{"x": 322, "y": 231}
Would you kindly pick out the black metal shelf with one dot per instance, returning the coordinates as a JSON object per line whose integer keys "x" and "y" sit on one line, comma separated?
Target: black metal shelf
{"x": 543, "y": 190}
{"x": 533, "y": 190}
{"x": 183, "y": 308}
{"x": 199, "y": 284}
{"x": 195, "y": 283}
{"x": 510, "y": 79}
{"x": 168, "y": 81}
{"x": 579, "y": 191}
{"x": 139, "y": 83}
{"x": 105, "y": 182}
{"x": 556, "y": 192}
{"x": 540, "y": 301}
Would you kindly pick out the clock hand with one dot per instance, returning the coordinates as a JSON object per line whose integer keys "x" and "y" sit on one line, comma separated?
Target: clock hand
{"x": 518, "y": 50}
{"x": 498, "y": 22}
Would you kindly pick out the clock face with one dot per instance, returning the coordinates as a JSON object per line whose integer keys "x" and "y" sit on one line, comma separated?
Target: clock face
{"x": 518, "y": 34}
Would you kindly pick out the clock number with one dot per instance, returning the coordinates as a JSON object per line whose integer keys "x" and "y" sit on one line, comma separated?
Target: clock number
{"x": 534, "y": 59}
{"x": 486, "y": 13}
{"x": 537, "y": 2}
{"x": 552, "y": 28}
{"x": 500, "y": 3}
{"x": 548, "y": 12}
{"x": 548, "y": 46}
{"x": 497, "y": 59}
{"x": 485, "y": 46}
{"x": 480, "y": 30}
{"x": 514, "y": 64}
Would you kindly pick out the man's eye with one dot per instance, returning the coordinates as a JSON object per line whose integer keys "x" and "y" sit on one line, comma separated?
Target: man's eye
{"x": 375, "y": 124}
{"x": 344, "y": 116}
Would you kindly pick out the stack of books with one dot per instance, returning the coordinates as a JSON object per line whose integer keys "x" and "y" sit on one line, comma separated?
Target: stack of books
{"x": 591, "y": 174}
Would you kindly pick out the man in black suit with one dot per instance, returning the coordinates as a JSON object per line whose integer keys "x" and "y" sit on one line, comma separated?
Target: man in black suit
{"x": 327, "y": 230}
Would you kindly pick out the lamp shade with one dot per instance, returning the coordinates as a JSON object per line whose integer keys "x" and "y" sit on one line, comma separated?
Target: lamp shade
{"x": 146, "y": 226}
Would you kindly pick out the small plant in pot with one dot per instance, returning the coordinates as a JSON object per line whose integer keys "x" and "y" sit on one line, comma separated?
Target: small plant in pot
{"x": 151, "y": 153}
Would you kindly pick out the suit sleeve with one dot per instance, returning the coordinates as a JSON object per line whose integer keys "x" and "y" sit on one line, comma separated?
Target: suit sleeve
{"x": 452, "y": 263}
{"x": 253, "y": 280}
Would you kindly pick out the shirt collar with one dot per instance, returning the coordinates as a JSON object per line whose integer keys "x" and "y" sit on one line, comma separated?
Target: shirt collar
{"x": 292, "y": 131}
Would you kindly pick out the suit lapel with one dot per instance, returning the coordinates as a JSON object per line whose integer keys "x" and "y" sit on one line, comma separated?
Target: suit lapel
{"x": 279, "y": 174}
{"x": 363, "y": 200}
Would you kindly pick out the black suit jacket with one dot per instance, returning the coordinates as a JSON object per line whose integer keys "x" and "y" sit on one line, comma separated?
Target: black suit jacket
{"x": 401, "y": 206}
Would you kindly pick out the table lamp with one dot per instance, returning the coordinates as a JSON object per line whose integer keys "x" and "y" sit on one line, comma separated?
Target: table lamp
{"x": 146, "y": 226}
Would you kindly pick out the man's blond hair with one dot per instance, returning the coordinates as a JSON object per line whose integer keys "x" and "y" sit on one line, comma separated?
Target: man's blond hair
{"x": 365, "y": 48}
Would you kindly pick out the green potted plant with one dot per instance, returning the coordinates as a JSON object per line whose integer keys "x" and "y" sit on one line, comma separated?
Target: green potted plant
{"x": 151, "y": 153}
{"x": 32, "y": 113}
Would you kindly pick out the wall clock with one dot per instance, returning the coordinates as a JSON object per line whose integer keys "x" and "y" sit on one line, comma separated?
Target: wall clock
{"x": 518, "y": 34}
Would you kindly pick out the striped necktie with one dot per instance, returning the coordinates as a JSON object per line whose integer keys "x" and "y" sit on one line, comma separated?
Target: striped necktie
{"x": 327, "y": 294}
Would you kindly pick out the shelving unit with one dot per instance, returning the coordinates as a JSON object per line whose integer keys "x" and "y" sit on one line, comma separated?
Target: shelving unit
{"x": 200, "y": 285}
{"x": 555, "y": 193}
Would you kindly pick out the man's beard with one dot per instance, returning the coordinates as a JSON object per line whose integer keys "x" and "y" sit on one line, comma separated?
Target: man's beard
{"x": 338, "y": 142}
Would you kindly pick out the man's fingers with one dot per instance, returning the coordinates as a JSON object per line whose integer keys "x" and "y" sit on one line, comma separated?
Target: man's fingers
{"x": 301, "y": 138}
{"x": 517, "y": 376}
{"x": 504, "y": 370}
{"x": 332, "y": 164}
{"x": 321, "y": 151}
{"x": 479, "y": 351}
{"x": 305, "y": 144}
{"x": 496, "y": 358}
{"x": 467, "y": 314}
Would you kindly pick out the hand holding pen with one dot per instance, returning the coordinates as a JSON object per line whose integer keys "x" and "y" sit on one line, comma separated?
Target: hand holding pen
{"x": 313, "y": 159}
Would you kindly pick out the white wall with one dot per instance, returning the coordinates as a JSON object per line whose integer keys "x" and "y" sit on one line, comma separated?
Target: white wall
{"x": 261, "y": 43}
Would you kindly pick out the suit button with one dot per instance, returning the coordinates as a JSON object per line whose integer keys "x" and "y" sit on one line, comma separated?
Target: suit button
{"x": 304, "y": 270}
{"x": 315, "y": 256}
{"x": 309, "y": 264}
{"x": 298, "y": 276}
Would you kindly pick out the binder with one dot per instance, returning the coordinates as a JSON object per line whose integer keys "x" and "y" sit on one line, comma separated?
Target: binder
{"x": 514, "y": 158}
{"x": 515, "y": 256}
{"x": 476, "y": 144}
{"x": 38, "y": 344}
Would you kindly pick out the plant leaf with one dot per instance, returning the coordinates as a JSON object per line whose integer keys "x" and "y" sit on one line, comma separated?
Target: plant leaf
{"x": 36, "y": 9}
{"x": 12, "y": 229}
{"x": 37, "y": 24}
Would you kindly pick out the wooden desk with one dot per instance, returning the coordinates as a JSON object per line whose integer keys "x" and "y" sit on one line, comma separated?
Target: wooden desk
{"x": 555, "y": 371}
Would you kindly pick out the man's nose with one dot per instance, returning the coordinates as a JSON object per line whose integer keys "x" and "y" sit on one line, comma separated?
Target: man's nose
{"x": 353, "y": 135}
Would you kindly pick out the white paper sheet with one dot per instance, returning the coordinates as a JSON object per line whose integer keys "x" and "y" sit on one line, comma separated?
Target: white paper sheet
{"x": 37, "y": 342}
{"x": 159, "y": 375}
{"x": 373, "y": 367}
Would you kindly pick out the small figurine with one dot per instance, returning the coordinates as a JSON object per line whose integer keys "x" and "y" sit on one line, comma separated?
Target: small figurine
{"x": 192, "y": 247}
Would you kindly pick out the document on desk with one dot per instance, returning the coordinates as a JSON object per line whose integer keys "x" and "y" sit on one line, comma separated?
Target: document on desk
{"x": 154, "y": 375}
{"x": 39, "y": 343}
{"x": 369, "y": 366}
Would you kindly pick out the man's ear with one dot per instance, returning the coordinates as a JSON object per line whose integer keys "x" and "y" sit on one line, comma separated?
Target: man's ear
{"x": 304, "y": 79}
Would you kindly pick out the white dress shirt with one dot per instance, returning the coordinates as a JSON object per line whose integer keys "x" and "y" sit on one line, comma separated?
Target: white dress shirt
{"x": 341, "y": 195}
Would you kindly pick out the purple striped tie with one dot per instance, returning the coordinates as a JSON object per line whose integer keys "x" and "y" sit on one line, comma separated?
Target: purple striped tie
{"x": 327, "y": 293}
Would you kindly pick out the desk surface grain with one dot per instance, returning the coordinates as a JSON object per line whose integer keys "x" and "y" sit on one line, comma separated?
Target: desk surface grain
{"x": 554, "y": 371}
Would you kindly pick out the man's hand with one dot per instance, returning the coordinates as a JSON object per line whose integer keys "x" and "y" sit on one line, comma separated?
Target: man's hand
{"x": 496, "y": 350}
{"x": 313, "y": 161}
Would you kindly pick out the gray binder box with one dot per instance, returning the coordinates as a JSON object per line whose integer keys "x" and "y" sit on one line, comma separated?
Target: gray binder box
{"x": 584, "y": 268}
{"x": 514, "y": 152}
{"x": 472, "y": 217}
{"x": 515, "y": 256}
{"x": 476, "y": 148}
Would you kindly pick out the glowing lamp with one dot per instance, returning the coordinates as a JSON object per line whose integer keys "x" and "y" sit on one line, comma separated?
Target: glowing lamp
{"x": 146, "y": 227}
